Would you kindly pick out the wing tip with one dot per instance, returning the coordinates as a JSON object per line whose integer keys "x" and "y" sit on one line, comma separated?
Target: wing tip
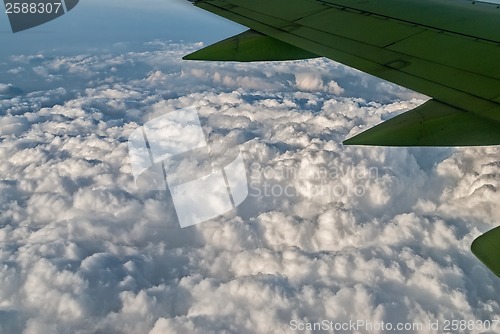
{"x": 486, "y": 250}
{"x": 432, "y": 124}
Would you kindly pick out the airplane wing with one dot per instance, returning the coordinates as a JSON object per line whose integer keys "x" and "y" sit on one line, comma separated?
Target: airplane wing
{"x": 487, "y": 249}
{"x": 446, "y": 49}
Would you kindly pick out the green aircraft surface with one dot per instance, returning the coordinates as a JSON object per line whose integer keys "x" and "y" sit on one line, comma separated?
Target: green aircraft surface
{"x": 448, "y": 50}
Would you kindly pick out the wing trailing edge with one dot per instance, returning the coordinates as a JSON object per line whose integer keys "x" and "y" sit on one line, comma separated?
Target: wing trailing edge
{"x": 487, "y": 249}
{"x": 250, "y": 46}
{"x": 432, "y": 124}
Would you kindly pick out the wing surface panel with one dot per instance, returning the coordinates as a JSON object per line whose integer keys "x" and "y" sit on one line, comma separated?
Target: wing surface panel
{"x": 468, "y": 18}
{"x": 409, "y": 54}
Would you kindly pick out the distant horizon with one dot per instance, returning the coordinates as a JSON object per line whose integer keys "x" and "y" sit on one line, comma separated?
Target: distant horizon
{"x": 94, "y": 25}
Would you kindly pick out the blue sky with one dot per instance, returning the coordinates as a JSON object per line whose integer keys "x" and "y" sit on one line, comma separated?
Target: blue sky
{"x": 98, "y": 25}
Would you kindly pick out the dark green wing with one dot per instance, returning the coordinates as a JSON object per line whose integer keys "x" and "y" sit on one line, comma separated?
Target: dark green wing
{"x": 446, "y": 49}
{"x": 487, "y": 249}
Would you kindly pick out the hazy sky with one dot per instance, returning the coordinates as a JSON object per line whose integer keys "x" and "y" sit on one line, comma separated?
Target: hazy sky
{"x": 97, "y": 25}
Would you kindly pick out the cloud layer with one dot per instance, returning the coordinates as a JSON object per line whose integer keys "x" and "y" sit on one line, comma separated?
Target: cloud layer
{"x": 327, "y": 232}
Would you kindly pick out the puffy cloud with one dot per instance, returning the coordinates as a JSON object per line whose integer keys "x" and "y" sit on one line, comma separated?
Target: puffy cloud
{"x": 314, "y": 82}
{"x": 327, "y": 231}
{"x": 309, "y": 81}
{"x": 9, "y": 91}
{"x": 13, "y": 125}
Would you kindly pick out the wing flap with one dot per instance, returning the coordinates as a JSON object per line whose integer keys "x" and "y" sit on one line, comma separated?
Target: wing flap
{"x": 468, "y": 18}
{"x": 487, "y": 249}
{"x": 250, "y": 46}
{"x": 431, "y": 124}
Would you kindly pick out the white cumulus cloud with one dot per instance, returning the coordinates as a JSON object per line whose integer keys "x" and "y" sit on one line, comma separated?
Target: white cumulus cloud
{"x": 327, "y": 231}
